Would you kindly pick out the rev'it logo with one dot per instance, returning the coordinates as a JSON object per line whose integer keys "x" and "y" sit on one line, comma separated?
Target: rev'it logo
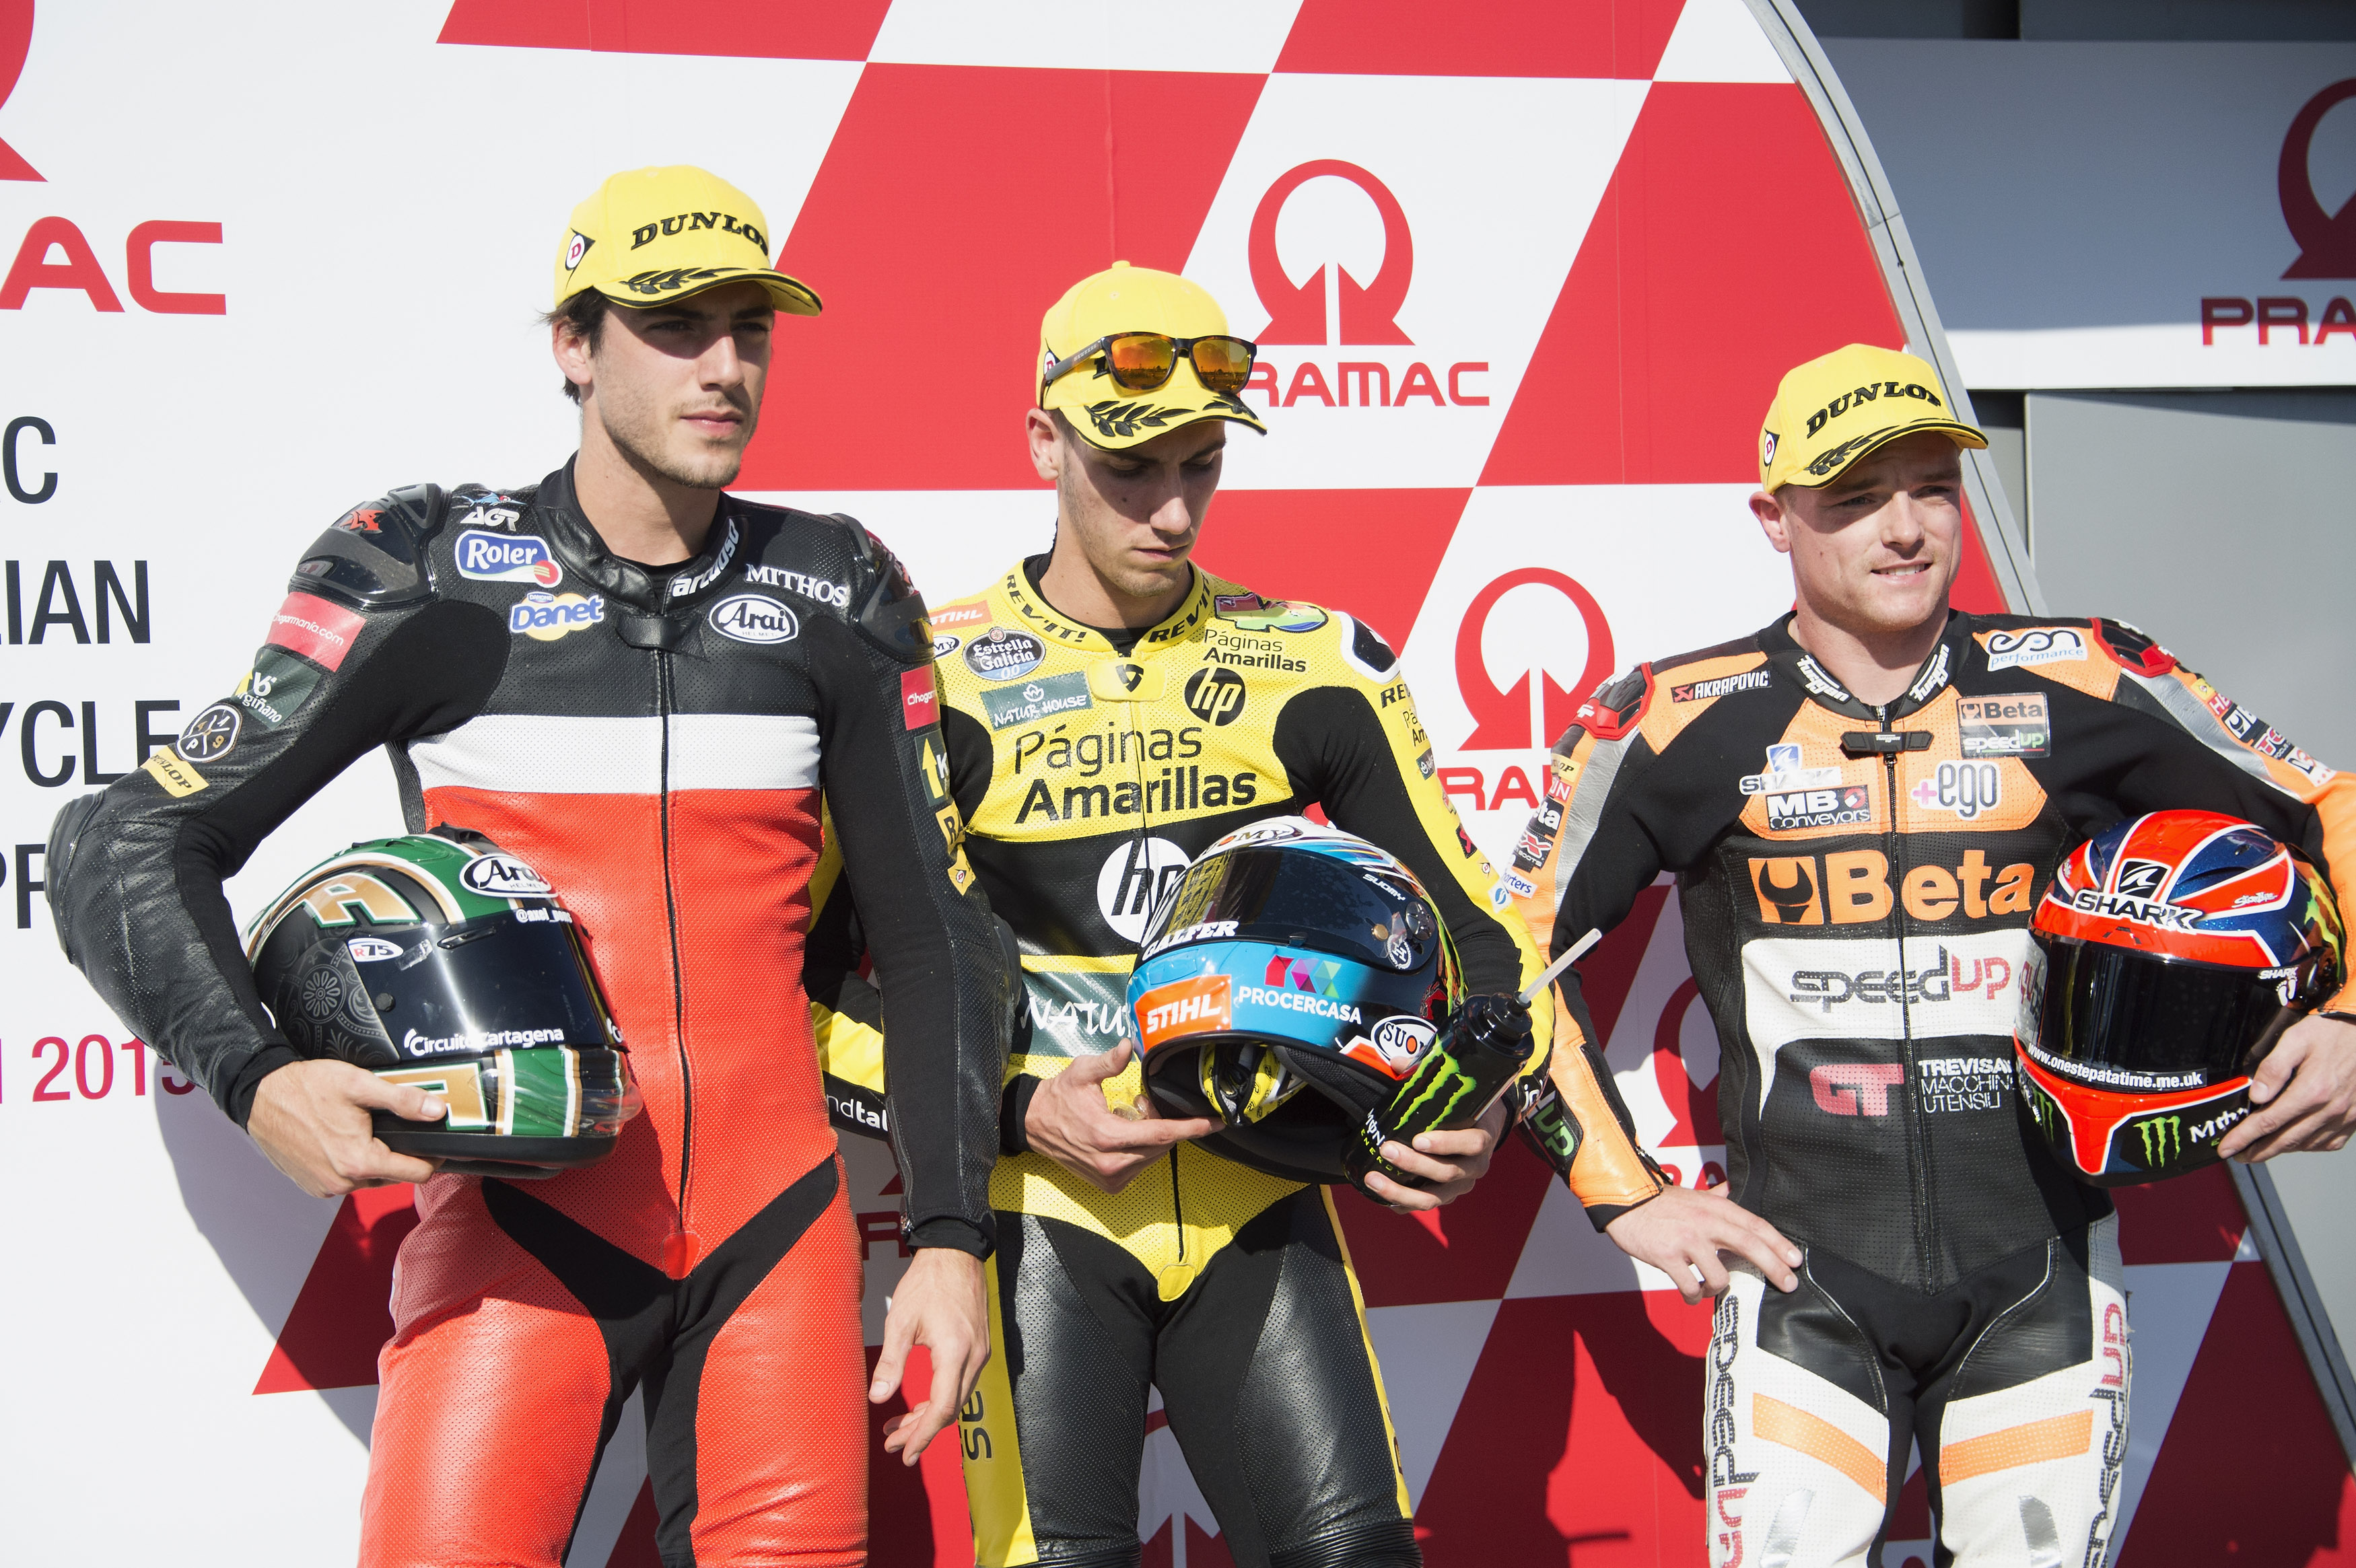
{"x": 16, "y": 42}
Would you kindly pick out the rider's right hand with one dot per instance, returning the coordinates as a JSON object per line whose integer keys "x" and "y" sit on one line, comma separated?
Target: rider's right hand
{"x": 1681, "y": 1233}
{"x": 312, "y": 1119}
{"x": 1070, "y": 1123}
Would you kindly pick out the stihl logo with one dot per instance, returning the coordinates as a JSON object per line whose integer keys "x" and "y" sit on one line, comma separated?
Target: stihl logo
{"x": 1856, "y": 1089}
{"x": 1193, "y": 1006}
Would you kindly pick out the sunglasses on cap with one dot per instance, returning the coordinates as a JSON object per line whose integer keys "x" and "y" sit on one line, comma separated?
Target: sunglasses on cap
{"x": 1142, "y": 361}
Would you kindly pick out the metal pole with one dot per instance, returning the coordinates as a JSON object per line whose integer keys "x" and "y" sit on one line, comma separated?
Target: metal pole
{"x": 2270, "y": 1228}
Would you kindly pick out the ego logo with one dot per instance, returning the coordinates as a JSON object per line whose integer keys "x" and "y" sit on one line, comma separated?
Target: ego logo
{"x": 1516, "y": 719}
{"x": 1215, "y": 696}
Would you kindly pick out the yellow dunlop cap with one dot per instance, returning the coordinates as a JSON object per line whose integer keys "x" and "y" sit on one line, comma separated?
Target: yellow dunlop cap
{"x": 1832, "y": 411}
{"x": 655, "y": 235}
{"x": 1123, "y": 298}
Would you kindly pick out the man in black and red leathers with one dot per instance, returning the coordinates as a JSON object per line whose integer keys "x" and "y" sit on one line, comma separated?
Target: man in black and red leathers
{"x": 1861, "y": 803}
{"x": 638, "y": 685}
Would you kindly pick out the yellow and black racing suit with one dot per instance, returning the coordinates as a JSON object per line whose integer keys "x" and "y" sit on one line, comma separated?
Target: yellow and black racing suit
{"x": 1856, "y": 882}
{"x": 1089, "y": 774}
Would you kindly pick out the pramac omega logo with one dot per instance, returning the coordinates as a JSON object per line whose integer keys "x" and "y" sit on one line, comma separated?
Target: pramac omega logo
{"x": 16, "y": 42}
{"x": 1332, "y": 307}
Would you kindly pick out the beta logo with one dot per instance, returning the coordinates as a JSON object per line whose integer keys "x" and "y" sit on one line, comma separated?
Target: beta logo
{"x": 544, "y": 617}
{"x": 503, "y": 876}
{"x": 754, "y": 618}
{"x": 502, "y": 558}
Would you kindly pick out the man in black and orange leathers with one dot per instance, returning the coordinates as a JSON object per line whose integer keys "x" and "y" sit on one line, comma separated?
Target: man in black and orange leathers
{"x": 1861, "y": 803}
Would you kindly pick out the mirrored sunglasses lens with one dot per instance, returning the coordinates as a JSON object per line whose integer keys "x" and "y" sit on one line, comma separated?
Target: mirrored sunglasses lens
{"x": 1140, "y": 362}
{"x": 1224, "y": 363}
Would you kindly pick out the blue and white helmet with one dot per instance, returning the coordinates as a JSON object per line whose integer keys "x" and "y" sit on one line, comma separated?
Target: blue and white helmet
{"x": 1287, "y": 985}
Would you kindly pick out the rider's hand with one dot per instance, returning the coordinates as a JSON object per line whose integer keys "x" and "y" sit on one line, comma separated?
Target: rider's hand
{"x": 1681, "y": 1233}
{"x": 312, "y": 1119}
{"x": 2306, "y": 1092}
{"x": 940, "y": 1305}
{"x": 1450, "y": 1161}
{"x": 1070, "y": 1123}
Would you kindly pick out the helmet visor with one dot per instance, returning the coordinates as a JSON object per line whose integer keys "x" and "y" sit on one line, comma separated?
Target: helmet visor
{"x": 2115, "y": 1019}
{"x": 489, "y": 984}
{"x": 1281, "y": 894}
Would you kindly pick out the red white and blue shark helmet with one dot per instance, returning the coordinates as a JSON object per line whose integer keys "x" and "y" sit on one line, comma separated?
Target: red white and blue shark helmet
{"x": 2170, "y": 953}
{"x": 1287, "y": 985}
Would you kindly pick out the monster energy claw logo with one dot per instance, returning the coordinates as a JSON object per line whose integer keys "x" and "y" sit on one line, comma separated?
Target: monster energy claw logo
{"x": 2163, "y": 1140}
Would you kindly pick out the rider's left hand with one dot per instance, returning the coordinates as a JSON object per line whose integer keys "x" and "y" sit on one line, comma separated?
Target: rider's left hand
{"x": 2305, "y": 1090}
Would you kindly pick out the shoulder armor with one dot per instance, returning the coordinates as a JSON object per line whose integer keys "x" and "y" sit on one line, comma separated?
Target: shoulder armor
{"x": 2132, "y": 649}
{"x": 371, "y": 557}
{"x": 1368, "y": 650}
{"x": 1617, "y": 706}
{"x": 887, "y": 609}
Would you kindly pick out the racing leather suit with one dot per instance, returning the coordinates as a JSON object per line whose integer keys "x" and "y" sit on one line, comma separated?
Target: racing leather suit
{"x": 1091, "y": 774}
{"x": 653, "y": 740}
{"x": 1856, "y": 883}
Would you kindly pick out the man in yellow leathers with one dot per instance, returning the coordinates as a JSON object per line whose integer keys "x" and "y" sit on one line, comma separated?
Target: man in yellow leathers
{"x": 1109, "y": 711}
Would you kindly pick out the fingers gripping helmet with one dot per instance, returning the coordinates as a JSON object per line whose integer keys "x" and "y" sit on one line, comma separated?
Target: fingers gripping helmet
{"x": 1287, "y": 985}
{"x": 436, "y": 960}
{"x": 2169, "y": 955}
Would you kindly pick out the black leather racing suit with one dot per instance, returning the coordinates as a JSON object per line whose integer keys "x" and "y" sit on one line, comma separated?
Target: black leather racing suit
{"x": 1856, "y": 882}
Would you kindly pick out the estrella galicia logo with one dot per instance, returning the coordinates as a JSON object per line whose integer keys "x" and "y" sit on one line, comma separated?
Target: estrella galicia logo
{"x": 754, "y": 618}
{"x": 507, "y": 558}
{"x": 1215, "y": 695}
{"x": 211, "y": 734}
{"x": 1004, "y": 654}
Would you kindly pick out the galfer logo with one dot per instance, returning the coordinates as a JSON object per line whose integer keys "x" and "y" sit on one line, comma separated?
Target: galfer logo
{"x": 1332, "y": 308}
{"x": 501, "y": 557}
{"x": 1517, "y": 719}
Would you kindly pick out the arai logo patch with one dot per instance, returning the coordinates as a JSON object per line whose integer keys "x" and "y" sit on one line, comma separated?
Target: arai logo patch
{"x": 754, "y": 618}
{"x": 503, "y": 876}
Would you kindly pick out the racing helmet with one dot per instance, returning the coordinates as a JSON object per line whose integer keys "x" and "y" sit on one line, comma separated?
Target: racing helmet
{"x": 1287, "y": 985}
{"x": 437, "y": 961}
{"x": 2168, "y": 955}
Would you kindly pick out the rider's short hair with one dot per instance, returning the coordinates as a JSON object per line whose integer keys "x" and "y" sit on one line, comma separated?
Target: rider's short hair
{"x": 585, "y": 312}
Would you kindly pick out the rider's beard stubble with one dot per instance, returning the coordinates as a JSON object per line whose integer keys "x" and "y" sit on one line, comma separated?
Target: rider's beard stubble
{"x": 652, "y": 439}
